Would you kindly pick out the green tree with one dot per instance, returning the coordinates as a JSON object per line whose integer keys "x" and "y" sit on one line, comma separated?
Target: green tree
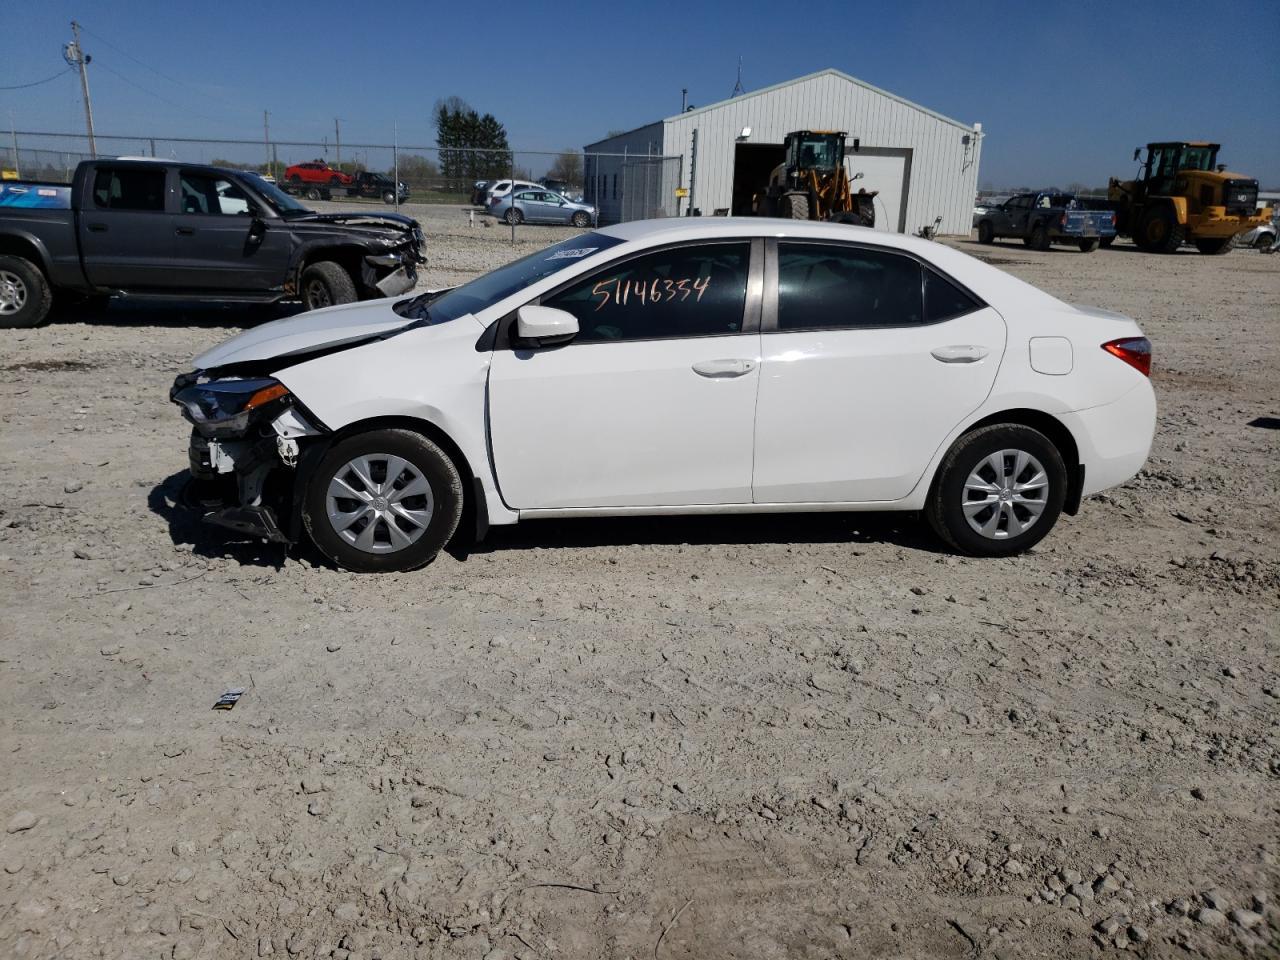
{"x": 472, "y": 146}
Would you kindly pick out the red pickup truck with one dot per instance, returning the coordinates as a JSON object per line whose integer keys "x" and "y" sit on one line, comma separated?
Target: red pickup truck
{"x": 317, "y": 171}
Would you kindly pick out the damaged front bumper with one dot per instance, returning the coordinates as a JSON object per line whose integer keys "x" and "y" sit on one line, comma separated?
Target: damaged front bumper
{"x": 247, "y": 465}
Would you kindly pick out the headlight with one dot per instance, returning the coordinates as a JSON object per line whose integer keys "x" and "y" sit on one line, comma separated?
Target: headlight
{"x": 227, "y": 407}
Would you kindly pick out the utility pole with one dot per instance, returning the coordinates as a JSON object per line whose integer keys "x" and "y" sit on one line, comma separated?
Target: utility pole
{"x": 75, "y": 56}
{"x": 266, "y": 142}
{"x": 337, "y": 141}
{"x": 13, "y": 131}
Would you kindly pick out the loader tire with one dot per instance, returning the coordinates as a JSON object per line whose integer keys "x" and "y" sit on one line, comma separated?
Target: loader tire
{"x": 1160, "y": 231}
{"x": 794, "y": 206}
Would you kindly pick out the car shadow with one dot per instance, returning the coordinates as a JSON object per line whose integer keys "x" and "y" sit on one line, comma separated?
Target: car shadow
{"x": 901, "y": 529}
{"x": 124, "y": 312}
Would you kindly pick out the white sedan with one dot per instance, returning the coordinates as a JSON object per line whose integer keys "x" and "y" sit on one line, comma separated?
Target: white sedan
{"x": 683, "y": 366}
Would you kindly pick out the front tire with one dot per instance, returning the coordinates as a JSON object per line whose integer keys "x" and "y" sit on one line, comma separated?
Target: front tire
{"x": 513, "y": 216}
{"x": 998, "y": 491}
{"x": 382, "y": 501}
{"x": 1160, "y": 231}
{"x": 1215, "y": 246}
{"x": 794, "y": 206}
{"x": 388, "y": 197}
{"x": 313, "y": 193}
{"x": 986, "y": 232}
{"x": 581, "y": 219}
{"x": 25, "y": 296}
{"x": 326, "y": 284}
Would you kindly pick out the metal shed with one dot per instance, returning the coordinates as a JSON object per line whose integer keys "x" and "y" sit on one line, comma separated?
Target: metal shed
{"x": 923, "y": 164}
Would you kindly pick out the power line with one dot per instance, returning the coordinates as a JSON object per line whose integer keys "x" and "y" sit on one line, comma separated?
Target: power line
{"x": 152, "y": 93}
{"x": 24, "y": 86}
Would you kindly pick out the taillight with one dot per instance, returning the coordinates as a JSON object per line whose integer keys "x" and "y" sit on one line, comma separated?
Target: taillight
{"x": 1062, "y": 220}
{"x": 1113, "y": 219}
{"x": 1135, "y": 351}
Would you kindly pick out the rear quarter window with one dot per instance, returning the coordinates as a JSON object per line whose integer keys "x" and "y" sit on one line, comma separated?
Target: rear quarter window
{"x": 943, "y": 300}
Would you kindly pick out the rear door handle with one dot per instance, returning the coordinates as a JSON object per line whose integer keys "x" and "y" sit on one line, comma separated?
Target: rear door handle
{"x": 186, "y": 231}
{"x": 723, "y": 368}
{"x": 959, "y": 353}
{"x": 98, "y": 227}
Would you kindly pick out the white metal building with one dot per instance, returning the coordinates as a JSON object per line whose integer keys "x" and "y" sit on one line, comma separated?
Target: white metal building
{"x": 923, "y": 164}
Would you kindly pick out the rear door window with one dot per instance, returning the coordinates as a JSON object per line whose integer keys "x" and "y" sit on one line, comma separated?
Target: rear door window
{"x": 824, "y": 286}
{"x": 129, "y": 188}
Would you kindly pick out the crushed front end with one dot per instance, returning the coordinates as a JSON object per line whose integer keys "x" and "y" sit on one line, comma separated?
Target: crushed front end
{"x": 250, "y": 441}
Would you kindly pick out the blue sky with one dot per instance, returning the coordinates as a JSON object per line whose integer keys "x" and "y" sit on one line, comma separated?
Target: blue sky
{"x": 1064, "y": 90}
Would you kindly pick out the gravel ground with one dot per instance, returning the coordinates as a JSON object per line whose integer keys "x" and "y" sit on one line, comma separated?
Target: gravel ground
{"x": 743, "y": 737}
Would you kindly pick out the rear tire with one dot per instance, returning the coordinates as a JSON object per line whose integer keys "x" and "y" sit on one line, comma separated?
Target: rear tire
{"x": 794, "y": 206}
{"x": 1040, "y": 237}
{"x": 1089, "y": 245}
{"x": 986, "y": 232}
{"x": 1160, "y": 231}
{"x": 1105, "y": 242}
{"x": 581, "y": 219}
{"x": 971, "y": 484}
{"x": 513, "y": 216}
{"x": 25, "y": 296}
{"x": 1214, "y": 247}
{"x": 313, "y": 194}
{"x": 326, "y": 284}
{"x": 357, "y": 532}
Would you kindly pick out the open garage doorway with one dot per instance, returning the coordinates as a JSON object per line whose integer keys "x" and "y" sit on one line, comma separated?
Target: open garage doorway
{"x": 752, "y": 164}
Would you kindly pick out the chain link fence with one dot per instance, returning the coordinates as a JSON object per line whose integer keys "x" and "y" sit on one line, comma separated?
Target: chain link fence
{"x": 620, "y": 187}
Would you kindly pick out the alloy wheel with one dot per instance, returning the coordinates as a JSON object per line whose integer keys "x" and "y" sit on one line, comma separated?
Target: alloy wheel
{"x": 1005, "y": 494}
{"x": 379, "y": 503}
{"x": 13, "y": 292}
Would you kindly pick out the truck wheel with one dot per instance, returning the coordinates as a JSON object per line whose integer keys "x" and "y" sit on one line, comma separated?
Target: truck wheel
{"x": 25, "y": 296}
{"x": 313, "y": 194}
{"x": 1160, "y": 231}
{"x": 1089, "y": 245}
{"x": 1214, "y": 246}
{"x": 986, "y": 232}
{"x": 388, "y": 197}
{"x": 794, "y": 206}
{"x": 1105, "y": 242}
{"x": 1040, "y": 237}
{"x": 326, "y": 284}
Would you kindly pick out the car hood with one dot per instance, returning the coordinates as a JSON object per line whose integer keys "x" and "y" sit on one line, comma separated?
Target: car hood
{"x": 306, "y": 333}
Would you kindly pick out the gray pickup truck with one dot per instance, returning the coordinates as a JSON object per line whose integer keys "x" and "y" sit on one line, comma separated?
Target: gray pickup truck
{"x": 1043, "y": 219}
{"x": 161, "y": 229}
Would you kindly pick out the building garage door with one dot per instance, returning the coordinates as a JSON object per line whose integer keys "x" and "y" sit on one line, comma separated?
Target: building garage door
{"x": 888, "y": 171}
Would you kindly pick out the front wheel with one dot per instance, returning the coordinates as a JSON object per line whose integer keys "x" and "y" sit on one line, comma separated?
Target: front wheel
{"x": 313, "y": 194}
{"x": 386, "y": 500}
{"x": 998, "y": 492}
{"x": 794, "y": 206}
{"x": 326, "y": 284}
{"x": 986, "y": 232}
{"x": 25, "y": 296}
{"x": 513, "y": 216}
{"x": 1214, "y": 246}
{"x": 582, "y": 219}
{"x": 1160, "y": 231}
{"x": 1264, "y": 240}
{"x": 388, "y": 197}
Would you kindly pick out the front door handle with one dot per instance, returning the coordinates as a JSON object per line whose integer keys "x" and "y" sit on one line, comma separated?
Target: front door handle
{"x": 723, "y": 368}
{"x": 959, "y": 353}
{"x": 186, "y": 231}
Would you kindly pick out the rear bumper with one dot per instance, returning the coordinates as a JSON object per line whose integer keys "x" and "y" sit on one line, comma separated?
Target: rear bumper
{"x": 1114, "y": 439}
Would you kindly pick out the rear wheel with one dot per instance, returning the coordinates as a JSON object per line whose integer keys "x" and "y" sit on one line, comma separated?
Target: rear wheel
{"x": 313, "y": 193}
{"x": 582, "y": 219}
{"x": 986, "y": 232}
{"x": 1107, "y": 241}
{"x": 326, "y": 284}
{"x": 794, "y": 206}
{"x": 385, "y": 500}
{"x": 25, "y": 297}
{"x": 1160, "y": 231}
{"x": 999, "y": 491}
{"x": 513, "y": 216}
{"x": 1089, "y": 244}
{"x": 1214, "y": 246}
{"x": 1040, "y": 237}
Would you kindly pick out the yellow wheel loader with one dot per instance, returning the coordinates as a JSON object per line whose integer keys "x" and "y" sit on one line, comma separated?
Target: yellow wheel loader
{"x": 1183, "y": 194}
{"x": 812, "y": 183}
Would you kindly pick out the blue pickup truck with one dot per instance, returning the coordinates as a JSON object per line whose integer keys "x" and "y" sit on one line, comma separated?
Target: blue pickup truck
{"x": 1043, "y": 219}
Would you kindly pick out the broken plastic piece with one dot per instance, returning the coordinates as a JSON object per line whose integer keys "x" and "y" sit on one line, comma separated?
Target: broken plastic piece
{"x": 229, "y": 699}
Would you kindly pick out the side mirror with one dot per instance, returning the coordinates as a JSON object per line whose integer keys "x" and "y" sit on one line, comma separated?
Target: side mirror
{"x": 857, "y": 176}
{"x": 545, "y": 326}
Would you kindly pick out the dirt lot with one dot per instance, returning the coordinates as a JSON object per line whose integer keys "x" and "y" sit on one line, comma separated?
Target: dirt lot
{"x": 743, "y": 737}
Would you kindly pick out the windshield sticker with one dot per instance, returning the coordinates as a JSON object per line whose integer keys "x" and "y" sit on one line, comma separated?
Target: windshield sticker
{"x": 573, "y": 254}
{"x": 646, "y": 292}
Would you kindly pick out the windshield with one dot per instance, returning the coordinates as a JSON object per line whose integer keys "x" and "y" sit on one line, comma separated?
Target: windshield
{"x": 281, "y": 201}
{"x": 493, "y": 286}
{"x": 817, "y": 152}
